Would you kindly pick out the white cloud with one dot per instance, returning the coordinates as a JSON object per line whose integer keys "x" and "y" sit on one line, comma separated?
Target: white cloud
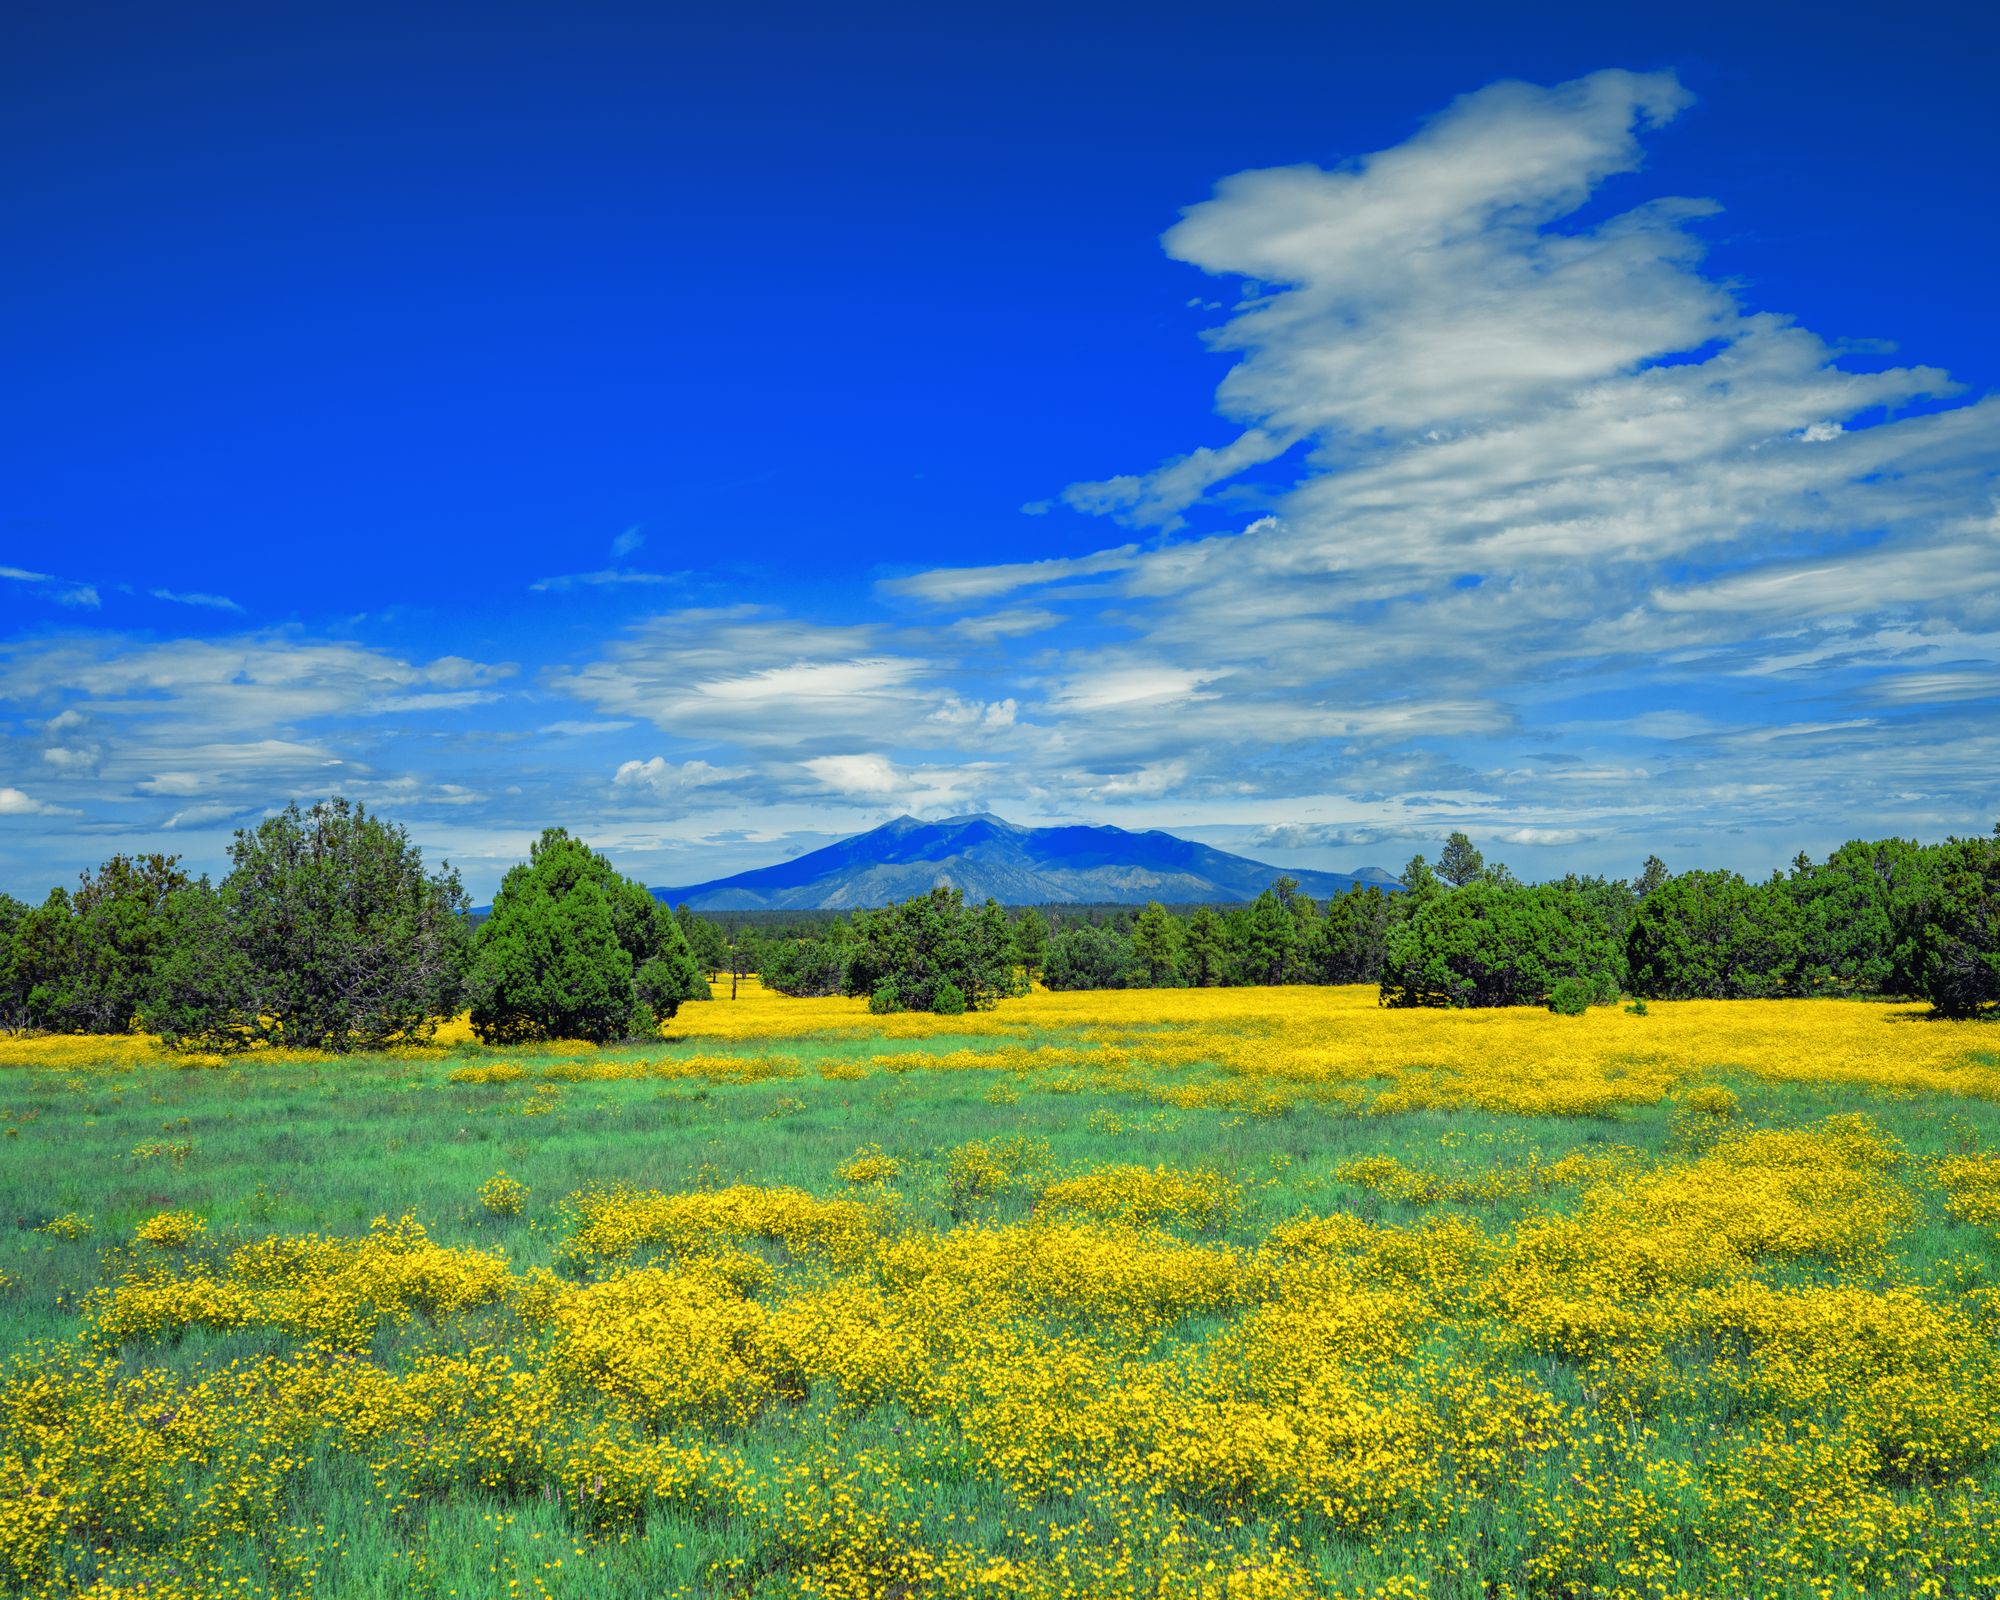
{"x": 13, "y": 803}
{"x": 875, "y": 778}
{"x": 187, "y": 735}
{"x": 1549, "y": 522}
{"x": 1010, "y": 624}
{"x": 762, "y": 682}
{"x": 1913, "y": 688}
{"x": 1156, "y": 499}
{"x": 604, "y": 578}
{"x": 1107, "y": 684}
{"x": 244, "y": 683}
{"x": 62, "y": 591}
{"x": 1152, "y": 779}
{"x": 667, "y": 780}
{"x": 1523, "y": 456}
{"x": 174, "y": 783}
{"x": 212, "y": 602}
{"x": 968, "y": 714}
{"x": 956, "y": 585}
{"x": 207, "y": 815}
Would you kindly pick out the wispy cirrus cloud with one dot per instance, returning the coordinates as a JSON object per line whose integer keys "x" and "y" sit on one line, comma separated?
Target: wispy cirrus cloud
{"x": 1515, "y": 516}
{"x": 602, "y": 578}
{"x": 210, "y": 602}
{"x": 59, "y": 591}
{"x": 959, "y": 585}
{"x": 612, "y": 577}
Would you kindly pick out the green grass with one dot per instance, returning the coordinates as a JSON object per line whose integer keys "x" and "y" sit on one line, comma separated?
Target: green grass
{"x": 288, "y": 1149}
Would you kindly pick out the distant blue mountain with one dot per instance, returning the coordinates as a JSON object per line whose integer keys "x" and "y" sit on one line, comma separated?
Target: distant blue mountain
{"x": 988, "y": 858}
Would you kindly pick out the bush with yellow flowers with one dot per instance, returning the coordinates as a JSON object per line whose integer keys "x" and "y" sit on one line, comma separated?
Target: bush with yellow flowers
{"x": 503, "y": 1196}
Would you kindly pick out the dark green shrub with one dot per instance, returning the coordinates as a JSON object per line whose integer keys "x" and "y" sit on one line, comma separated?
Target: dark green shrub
{"x": 930, "y": 941}
{"x": 1714, "y": 936}
{"x": 348, "y": 941}
{"x": 1570, "y": 997}
{"x": 885, "y": 998}
{"x": 948, "y": 1000}
{"x": 86, "y": 959}
{"x": 13, "y": 979}
{"x": 1088, "y": 957}
{"x": 1950, "y": 922}
{"x": 1495, "y": 944}
{"x": 329, "y": 932}
{"x": 575, "y": 951}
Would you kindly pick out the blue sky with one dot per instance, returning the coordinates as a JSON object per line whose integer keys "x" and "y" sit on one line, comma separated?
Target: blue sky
{"x": 723, "y": 428}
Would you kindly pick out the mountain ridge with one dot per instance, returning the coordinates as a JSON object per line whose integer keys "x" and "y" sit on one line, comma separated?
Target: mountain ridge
{"x": 988, "y": 857}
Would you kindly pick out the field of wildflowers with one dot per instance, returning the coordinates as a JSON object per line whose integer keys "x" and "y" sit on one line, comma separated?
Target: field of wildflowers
{"x": 1232, "y": 1293}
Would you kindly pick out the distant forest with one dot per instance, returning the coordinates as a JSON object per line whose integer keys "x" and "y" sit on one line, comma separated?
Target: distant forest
{"x": 331, "y": 932}
{"x": 1888, "y": 917}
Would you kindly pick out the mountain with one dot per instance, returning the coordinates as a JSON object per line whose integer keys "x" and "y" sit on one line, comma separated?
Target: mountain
{"x": 986, "y": 857}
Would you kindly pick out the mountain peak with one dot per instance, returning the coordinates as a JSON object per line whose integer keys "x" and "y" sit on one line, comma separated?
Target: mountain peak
{"x": 986, "y": 856}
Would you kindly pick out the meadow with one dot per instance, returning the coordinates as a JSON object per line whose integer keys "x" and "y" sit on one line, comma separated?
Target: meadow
{"x": 1175, "y": 1293}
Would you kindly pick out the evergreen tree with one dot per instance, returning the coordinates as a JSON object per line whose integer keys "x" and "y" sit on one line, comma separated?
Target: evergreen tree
{"x": 1031, "y": 941}
{"x": 88, "y": 957}
{"x": 1848, "y": 942}
{"x": 810, "y": 964}
{"x": 1712, "y": 935}
{"x": 1269, "y": 938}
{"x": 347, "y": 940}
{"x": 1651, "y": 876}
{"x": 994, "y": 951}
{"x": 573, "y": 950}
{"x": 1949, "y": 917}
{"x": 203, "y": 991}
{"x": 913, "y": 950}
{"x": 13, "y": 975}
{"x": 1460, "y": 862}
{"x": 1352, "y": 937}
{"x": 1205, "y": 948}
{"x": 1495, "y": 945}
{"x": 706, "y": 941}
{"x": 1088, "y": 957}
{"x": 1156, "y": 947}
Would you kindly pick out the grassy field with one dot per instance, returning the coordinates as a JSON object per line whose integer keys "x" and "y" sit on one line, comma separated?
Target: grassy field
{"x": 1230, "y": 1293}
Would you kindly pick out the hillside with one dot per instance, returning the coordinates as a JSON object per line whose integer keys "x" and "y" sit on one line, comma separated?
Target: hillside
{"x": 987, "y": 857}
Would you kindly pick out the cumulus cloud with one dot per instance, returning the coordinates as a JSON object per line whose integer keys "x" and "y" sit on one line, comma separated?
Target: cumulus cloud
{"x": 14, "y": 803}
{"x": 875, "y": 778}
{"x": 1542, "y": 836}
{"x": 661, "y": 779}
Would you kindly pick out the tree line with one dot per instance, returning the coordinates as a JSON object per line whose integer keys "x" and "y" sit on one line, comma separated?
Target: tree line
{"x": 1883, "y": 917}
{"x": 330, "y": 931}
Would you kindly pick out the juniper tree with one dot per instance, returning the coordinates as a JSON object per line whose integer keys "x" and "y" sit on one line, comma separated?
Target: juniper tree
{"x": 575, "y": 950}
